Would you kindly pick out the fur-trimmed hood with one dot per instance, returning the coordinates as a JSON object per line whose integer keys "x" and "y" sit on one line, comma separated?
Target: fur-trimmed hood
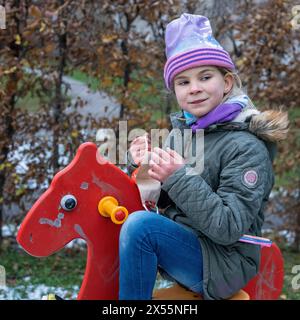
{"x": 270, "y": 125}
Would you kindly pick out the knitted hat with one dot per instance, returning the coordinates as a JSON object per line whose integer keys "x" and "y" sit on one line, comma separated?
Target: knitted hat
{"x": 189, "y": 44}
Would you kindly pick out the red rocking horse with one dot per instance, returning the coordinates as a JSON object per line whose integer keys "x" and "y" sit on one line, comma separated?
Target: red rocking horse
{"x": 90, "y": 199}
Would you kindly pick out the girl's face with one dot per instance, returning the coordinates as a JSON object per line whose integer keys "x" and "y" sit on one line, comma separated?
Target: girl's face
{"x": 201, "y": 89}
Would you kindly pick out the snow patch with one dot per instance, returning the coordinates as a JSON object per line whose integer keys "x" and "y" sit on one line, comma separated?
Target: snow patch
{"x": 35, "y": 292}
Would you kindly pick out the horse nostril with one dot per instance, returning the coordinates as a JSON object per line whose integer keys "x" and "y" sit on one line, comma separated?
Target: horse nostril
{"x": 68, "y": 202}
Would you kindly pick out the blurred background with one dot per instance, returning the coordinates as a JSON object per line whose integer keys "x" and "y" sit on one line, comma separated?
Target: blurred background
{"x": 69, "y": 68}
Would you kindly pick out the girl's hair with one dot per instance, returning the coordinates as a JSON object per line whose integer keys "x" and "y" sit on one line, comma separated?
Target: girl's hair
{"x": 237, "y": 88}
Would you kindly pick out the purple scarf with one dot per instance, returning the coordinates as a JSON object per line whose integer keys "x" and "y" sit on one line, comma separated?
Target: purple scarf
{"x": 223, "y": 113}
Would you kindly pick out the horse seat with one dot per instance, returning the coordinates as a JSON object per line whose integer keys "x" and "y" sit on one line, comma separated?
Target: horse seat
{"x": 177, "y": 292}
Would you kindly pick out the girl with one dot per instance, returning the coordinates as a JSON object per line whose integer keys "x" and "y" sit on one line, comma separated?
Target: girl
{"x": 195, "y": 241}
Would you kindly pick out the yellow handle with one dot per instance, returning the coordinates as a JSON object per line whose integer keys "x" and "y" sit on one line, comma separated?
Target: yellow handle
{"x": 108, "y": 207}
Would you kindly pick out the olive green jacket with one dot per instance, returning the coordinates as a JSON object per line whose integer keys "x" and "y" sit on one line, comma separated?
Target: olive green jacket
{"x": 227, "y": 199}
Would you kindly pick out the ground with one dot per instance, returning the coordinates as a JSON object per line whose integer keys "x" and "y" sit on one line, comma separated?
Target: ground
{"x": 31, "y": 278}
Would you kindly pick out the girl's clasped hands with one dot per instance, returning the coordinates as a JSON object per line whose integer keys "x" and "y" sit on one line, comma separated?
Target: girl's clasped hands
{"x": 162, "y": 163}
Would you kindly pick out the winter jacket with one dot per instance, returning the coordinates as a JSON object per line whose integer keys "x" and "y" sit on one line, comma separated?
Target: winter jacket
{"x": 227, "y": 199}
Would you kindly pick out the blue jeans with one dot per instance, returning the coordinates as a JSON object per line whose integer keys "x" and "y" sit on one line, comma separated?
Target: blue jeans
{"x": 147, "y": 241}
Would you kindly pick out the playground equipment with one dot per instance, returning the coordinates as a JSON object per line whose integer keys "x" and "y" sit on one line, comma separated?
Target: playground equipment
{"x": 90, "y": 199}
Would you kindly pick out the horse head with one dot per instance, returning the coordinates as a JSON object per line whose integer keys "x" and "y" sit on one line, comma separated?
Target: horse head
{"x": 68, "y": 209}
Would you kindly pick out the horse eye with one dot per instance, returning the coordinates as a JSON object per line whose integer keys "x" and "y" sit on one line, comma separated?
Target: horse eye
{"x": 68, "y": 202}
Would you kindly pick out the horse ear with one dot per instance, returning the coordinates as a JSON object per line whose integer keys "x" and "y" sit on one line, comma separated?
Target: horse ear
{"x": 89, "y": 152}
{"x": 86, "y": 156}
{"x": 86, "y": 147}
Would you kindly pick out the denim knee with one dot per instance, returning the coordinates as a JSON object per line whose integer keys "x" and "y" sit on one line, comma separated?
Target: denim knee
{"x": 133, "y": 228}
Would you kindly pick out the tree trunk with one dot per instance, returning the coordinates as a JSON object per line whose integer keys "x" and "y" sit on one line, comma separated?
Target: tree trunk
{"x": 59, "y": 98}
{"x": 8, "y": 122}
{"x": 8, "y": 132}
{"x": 126, "y": 76}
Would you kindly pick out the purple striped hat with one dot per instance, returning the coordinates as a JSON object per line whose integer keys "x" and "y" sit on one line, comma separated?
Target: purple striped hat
{"x": 189, "y": 44}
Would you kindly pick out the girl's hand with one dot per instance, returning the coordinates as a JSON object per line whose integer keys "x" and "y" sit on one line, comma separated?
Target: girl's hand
{"x": 139, "y": 148}
{"x": 164, "y": 163}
